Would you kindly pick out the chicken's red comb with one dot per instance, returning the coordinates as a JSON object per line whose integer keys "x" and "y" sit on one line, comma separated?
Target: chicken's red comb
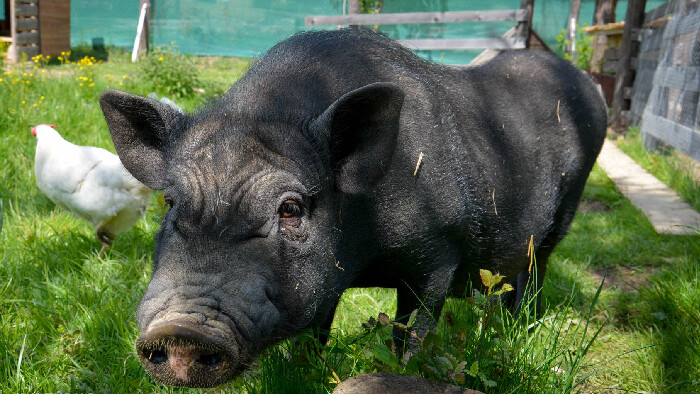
{"x": 34, "y": 128}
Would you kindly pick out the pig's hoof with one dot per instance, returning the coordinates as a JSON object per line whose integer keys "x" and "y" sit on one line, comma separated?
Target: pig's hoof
{"x": 182, "y": 356}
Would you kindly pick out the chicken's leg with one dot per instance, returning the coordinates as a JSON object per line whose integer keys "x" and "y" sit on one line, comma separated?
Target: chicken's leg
{"x": 105, "y": 237}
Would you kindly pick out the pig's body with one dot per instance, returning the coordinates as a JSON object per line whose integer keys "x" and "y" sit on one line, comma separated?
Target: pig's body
{"x": 301, "y": 182}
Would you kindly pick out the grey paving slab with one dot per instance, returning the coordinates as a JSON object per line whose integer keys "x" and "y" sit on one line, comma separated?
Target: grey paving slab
{"x": 666, "y": 211}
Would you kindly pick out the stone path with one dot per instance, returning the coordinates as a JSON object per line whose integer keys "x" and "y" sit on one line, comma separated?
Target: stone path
{"x": 666, "y": 211}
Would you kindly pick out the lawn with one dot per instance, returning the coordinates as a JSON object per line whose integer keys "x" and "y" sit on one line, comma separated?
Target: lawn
{"x": 67, "y": 314}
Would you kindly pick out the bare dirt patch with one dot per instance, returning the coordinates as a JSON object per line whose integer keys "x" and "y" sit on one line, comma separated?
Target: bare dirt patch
{"x": 592, "y": 206}
{"x": 625, "y": 278}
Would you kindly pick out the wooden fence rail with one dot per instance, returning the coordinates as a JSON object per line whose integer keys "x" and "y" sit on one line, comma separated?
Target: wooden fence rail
{"x": 512, "y": 42}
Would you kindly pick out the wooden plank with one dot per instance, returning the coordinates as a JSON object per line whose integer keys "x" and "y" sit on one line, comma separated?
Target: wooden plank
{"x": 30, "y": 51}
{"x": 464, "y": 43}
{"x": 26, "y": 10}
{"x": 612, "y": 54}
{"x": 610, "y": 67}
{"x": 660, "y": 11}
{"x": 27, "y": 24}
{"x": 628, "y": 93}
{"x": 636, "y": 35}
{"x": 686, "y": 78}
{"x": 683, "y": 138}
{"x": 54, "y": 25}
{"x": 24, "y": 38}
{"x": 417, "y": 17}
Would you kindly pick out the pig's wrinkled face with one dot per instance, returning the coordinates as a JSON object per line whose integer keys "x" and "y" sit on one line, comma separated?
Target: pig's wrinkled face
{"x": 245, "y": 255}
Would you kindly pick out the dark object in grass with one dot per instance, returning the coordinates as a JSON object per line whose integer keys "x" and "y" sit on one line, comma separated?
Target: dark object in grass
{"x": 301, "y": 182}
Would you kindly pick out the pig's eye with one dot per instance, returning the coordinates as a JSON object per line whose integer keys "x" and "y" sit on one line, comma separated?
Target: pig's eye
{"x": 168, "y": 203}
{"x": 290, "y": 209}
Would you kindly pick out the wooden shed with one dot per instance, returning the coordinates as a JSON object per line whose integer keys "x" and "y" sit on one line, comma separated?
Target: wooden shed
{"x": 36, "y": 26}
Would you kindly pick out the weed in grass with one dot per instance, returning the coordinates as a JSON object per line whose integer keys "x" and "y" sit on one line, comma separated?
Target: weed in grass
{"x": 171, "y": 73}
{"x": 478, "y": 344}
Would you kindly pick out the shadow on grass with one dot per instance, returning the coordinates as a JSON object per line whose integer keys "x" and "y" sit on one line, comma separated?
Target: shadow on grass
{"x": 663, "y": 295}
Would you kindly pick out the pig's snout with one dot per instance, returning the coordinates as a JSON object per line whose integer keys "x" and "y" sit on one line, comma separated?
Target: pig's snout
{"x": 179, "y": 355}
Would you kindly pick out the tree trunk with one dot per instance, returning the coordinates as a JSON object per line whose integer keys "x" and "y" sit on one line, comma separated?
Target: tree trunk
{"x": 571, "y": 25}
{"x": 604, "y": 12}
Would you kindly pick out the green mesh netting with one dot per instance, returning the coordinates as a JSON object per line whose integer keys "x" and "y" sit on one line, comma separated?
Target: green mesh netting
{"x": 249, "y": 27}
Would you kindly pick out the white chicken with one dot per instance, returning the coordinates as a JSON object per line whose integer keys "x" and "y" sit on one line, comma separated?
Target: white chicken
{"x": 89, "y": 182}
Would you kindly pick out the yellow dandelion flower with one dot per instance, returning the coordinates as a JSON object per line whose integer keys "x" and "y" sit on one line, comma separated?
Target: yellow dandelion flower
{"x": 1, "y": 79}
{"x": 42, "y": 97}
{"x": 81, "y": 84}
{"x": 160, "y": 59}
{"x": 24, "y": 102}
{"x": 125, "y": 76}
{"x": 34, "y": 105}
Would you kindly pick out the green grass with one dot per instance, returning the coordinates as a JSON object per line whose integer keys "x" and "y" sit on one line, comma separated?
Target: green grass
{"x": 67, "y": 315}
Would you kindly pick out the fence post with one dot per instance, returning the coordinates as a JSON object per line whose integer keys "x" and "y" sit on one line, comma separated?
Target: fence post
{"x": 525, "y": 27}
{"x": 354, "y": 8}
{"x": 141, "y": 40}
{"x": 143, "y": 45}
{"x": 624, "y": 73}
{"x": 574, "y": 10}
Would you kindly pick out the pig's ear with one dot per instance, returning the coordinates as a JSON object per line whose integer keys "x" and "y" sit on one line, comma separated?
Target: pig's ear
{"x": 139, "y": 128}
{"x": 362, "y": 127}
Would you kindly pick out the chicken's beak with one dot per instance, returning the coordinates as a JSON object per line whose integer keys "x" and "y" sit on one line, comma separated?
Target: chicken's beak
{"x": 34, "y": 131}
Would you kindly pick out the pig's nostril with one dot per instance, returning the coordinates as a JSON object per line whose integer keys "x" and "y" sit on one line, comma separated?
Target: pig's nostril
{"x": 209, "y": 359}
{"x": 157, "y": 356}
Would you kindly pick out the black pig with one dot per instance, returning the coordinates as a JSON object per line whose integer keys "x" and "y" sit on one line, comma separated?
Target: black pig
{"x": 304, "y": 179}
